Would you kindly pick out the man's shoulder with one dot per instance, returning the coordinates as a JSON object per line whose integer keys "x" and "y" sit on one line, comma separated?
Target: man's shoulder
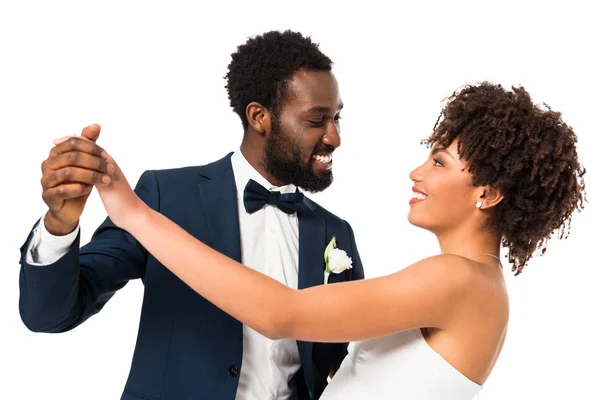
{"x": 192, "y": 171}
{"x": 328, "y": 216}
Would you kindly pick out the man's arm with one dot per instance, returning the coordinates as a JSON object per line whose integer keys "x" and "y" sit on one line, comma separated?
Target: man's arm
{"x": 45, "y": 248}
{"x": 61, "y": 295}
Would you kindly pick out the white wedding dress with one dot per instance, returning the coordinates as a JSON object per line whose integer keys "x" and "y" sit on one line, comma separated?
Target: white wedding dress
{"x": 400, "y": 366}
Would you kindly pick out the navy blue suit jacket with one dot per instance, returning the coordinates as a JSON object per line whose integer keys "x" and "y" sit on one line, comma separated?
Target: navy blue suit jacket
{"x": 186, "y": 347}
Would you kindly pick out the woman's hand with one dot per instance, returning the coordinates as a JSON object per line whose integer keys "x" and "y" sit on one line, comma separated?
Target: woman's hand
{"x": 123, "y": 206}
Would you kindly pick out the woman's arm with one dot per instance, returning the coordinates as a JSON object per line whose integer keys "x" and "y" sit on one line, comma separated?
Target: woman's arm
{"x": 425, "y": 294}
{"x": 422, "y": 295}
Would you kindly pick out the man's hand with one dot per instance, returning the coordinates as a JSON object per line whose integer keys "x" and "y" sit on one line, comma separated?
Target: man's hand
{"x": 74, "y": 166}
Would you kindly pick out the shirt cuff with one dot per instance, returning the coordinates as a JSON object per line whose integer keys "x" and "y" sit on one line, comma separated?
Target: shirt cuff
{"x": 46, "y": 248}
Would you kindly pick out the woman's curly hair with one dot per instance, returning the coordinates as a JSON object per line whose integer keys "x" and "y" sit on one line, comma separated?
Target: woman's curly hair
{"x": 525, "y": 151}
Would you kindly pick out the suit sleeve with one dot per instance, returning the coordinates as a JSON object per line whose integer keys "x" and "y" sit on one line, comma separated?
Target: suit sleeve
{"x": 357, "y": 268}
{"x": 60, "y": 296}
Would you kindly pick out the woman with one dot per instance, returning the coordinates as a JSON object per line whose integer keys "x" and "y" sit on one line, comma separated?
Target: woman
{"x": 501, "y": 172}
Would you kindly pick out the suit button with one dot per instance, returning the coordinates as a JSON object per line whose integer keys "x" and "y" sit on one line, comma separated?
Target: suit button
{"x": 233, "y": 370}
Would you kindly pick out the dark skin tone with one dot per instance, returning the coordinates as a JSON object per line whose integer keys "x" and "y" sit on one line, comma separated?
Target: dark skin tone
{"x": 310, "y": 117}
{"x": 69, "y": 173}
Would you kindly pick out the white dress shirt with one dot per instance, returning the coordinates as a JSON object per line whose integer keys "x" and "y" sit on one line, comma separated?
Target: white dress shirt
{"x": 45, "y": 248}
{"x": 269, "y": 241}
{"x": 269, "y": 244}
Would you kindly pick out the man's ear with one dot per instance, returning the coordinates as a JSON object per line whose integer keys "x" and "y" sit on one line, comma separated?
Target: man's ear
{"x": 259, "y": 118}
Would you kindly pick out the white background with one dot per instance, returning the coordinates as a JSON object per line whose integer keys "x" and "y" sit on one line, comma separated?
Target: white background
{"x": 152, "y": 75}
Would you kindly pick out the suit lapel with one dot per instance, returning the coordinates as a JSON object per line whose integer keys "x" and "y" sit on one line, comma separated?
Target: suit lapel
{"x": 312, "y": 241}
{"x": 311, "y": 230}
{"x": 218, "y": 196}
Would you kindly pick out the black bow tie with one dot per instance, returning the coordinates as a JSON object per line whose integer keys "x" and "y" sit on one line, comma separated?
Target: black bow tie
{"x": 256, "y": 196}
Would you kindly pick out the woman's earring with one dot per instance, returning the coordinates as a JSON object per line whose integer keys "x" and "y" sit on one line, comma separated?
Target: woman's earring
{"x": 479, "y": 204}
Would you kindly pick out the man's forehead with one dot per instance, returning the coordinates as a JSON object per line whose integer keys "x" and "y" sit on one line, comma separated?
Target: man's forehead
{"x": 315, "y": 91}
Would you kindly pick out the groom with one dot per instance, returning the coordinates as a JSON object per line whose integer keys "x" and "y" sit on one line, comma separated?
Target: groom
{"x": 245, "y": 205}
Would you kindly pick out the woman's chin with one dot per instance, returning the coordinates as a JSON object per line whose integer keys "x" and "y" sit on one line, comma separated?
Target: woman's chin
{"x": 415, "y": 221}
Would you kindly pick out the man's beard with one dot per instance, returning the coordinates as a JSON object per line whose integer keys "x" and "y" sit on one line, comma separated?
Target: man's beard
{"x": 283, "y": 161}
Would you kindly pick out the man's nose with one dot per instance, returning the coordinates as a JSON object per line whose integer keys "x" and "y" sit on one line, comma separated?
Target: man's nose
{"x": 332, "y": 136}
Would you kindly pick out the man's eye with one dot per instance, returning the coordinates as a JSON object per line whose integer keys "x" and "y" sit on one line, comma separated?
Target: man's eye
{"x": 316, "y": 122}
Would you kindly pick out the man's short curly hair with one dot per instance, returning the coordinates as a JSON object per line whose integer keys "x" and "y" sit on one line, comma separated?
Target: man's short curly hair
{"x": 525, "y": 151}
{"x": 262, "y": 68}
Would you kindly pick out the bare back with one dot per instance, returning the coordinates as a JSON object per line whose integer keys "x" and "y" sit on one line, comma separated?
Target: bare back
{"x": 475, "y": 338}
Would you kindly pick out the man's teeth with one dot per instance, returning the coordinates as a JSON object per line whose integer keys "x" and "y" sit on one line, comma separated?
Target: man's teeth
{"x": 324, "y": 159}
{"x": 419, "y": 196}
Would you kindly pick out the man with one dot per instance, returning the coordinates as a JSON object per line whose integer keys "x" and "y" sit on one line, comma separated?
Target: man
{"x": 246, "y": 205}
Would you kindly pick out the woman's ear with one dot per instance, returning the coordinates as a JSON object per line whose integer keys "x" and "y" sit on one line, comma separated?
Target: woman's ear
{"x": 489, "y": 198}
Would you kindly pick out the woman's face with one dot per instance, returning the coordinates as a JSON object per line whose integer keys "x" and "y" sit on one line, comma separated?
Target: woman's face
{"x": 443, "y": 197}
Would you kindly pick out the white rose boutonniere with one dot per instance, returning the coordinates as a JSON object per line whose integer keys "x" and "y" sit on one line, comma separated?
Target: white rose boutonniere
{"x": 336, "y": 260}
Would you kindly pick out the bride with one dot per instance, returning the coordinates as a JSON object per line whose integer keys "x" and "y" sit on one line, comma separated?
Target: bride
{"x": 502, "y": 172}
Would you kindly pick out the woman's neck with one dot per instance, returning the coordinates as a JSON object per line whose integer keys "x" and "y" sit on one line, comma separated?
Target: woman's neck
{"x": 467, "y": 241}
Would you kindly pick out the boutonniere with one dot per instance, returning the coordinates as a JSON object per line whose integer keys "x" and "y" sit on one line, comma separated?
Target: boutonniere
{"x": 336, "y": 260}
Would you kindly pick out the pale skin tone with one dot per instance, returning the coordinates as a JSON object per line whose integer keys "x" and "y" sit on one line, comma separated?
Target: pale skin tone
{"x": 460, "y": 304}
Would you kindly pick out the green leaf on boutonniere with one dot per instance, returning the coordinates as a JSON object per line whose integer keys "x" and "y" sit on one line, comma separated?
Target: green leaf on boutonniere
{"x": 328, "y": 249}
